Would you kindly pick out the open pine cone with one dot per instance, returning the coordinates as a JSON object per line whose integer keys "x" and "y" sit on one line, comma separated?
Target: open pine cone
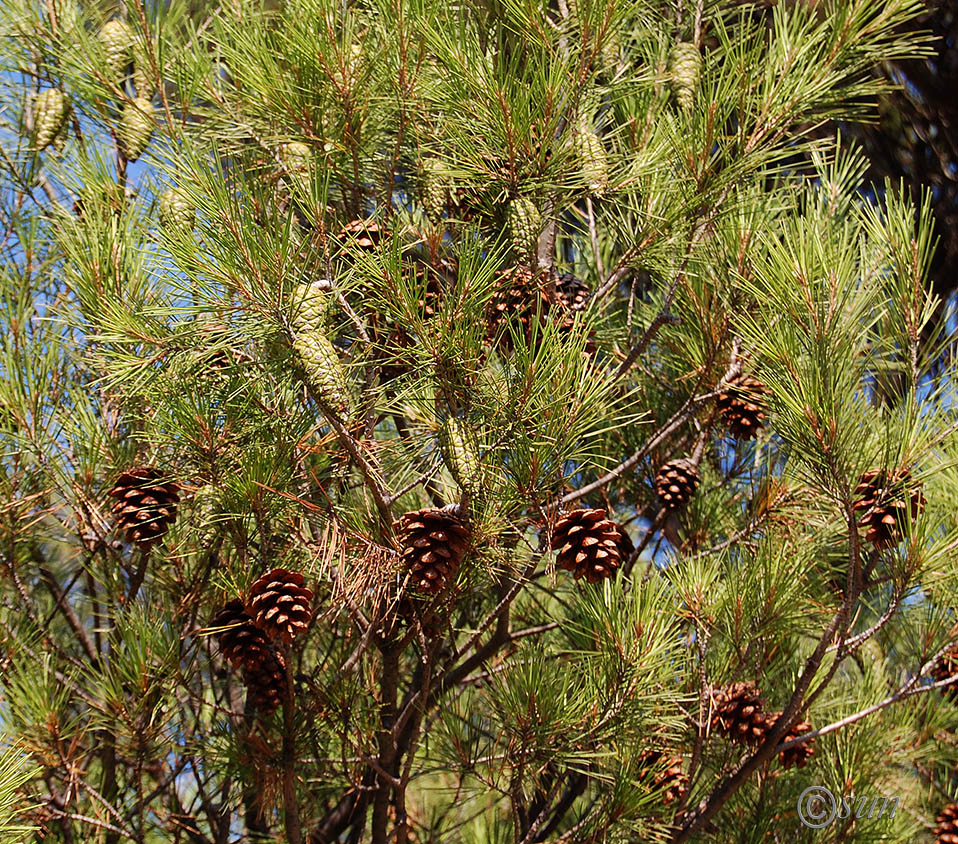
{"x": 433, "y": 543}
{"x": 742, "y": 405}
{"x": 947, "y": 829}
{"x": 240, "y": 641}
{"x": 518, "y": 296}
{"x": 361, "y": 234}
{"x": 589, "y": 544}
{"x": 946, "y": 667}
{"x": 738, "y": 712}
{"x": 664, "y": 772}
{"x": 676, "y": 483}
{"x": 266, "y": 683}
{"x": 887, "y": 500}
{"x": 799, "y": 755}
{"x": 145, "y": 507}
{"x": 279, "y": 604}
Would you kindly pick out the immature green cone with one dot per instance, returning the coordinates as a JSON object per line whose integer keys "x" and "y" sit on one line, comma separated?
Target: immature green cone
{"x": 117, "y": 39}
{"x": 135, "y": 127}
{"x": 525, "y": 223}
{"x": 297, "y": 158}
{"x": 143, "y": 82}
{"x": 50, "y": 111}
{"x": 460, "y": 451}
{"x": 206, "y": 501}
{"x": 435, "y": 189}
{"x": 686, "y": 66}
{"x": 323, "y": 369}
{"x": 311, "y": 303}
{"x": 176, "y": 210}
{"x": 592, "y": 159}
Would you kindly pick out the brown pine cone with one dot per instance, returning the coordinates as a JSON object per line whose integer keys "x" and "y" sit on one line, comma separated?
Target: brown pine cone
{"x": 361, "y": 234}
{"x": 887, "y": 499}
{"x": 434, "y": 278}
{"x": 665, "y": 772}
{"x": 572, "y": 295}
{"x": 947, "y": 829}
{"x": 146, "y": 506}
{"x": 676, "y": 483}
{"x": 433, "y": 543}
{"x": 266, "y": 683}
{"x": 518, "y": 296}
{"x": 799, "y": 755}
{"x": 279, "y": 604}
{"x": 742, "y": 405}
{"x": 946, "y": 667}
{"x": 738, "y": 712}
{"x": 240, "y": 641}
{"x": 588, "y": 544}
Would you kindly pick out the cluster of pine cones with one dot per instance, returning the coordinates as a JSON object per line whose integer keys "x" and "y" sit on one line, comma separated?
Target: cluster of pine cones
{"x": 738, "y": 712}
{"x": 278, "y": 609}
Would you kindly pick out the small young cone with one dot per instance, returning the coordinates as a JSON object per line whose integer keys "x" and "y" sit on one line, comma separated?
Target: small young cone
{"x": 460, "y": 451}
{"x": 297, "y": 158}
{"x": 176, "y": 210}
{"x": 686, "y": 67}
{"x": 240, "y": 641}
{"x": 742, "y": 405}
{"x": 279, "y": 604}
{"x": 676, "y": 482}
{"x": 433, "y": 542}
{"x": 665, "y": 773}
{"x": 592, "y": 159}
{"x": 525, "y": 223}
{"x": 324, "y": 369}
{"x": 946, "y": 831}
{"x": 798, "y": 756}
{"x": 50, "y": 112}
{"x": 146, "y": 506}
{"x": 738, "y": 712}
{"x": 135, "y": 127}
{"x": 588, "y": 544}
{"x": 117, "y": 39}
{"x": 435, "y": 189}
{"x": 144, "y": 83}
{"x": 888, "y": 500}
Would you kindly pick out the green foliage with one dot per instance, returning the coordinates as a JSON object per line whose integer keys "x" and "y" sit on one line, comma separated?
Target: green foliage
{"x": 312, "y": 260}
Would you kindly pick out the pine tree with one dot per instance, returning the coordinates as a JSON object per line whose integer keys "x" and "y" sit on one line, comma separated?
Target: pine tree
{"x": 464, "y": 422}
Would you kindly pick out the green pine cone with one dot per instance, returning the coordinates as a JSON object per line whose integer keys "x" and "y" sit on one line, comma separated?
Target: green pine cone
{"x": 311, "y": 304}
{"x": 297, "y": 158}
{"x": 525, "y": 223}
{"x": 686, "y": 66}
{"x": 135, "y": 127}
{"x": 435, "y": 188}
{"x": 206, "y": 501}
{"x": 176, "y": 210}
{"x": 323, "y": 369}
{"x": 143, "y": 82}
{"x": 592, "y": 159}
{"x": 460, "y": 451}
{"x": 117, "y": 39}
{"x": 50, "y": 111}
